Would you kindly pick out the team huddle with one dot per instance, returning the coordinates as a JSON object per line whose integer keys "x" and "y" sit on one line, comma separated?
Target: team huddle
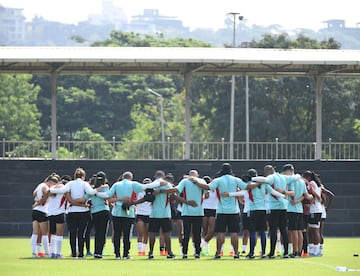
{"x": 290, "y": 207}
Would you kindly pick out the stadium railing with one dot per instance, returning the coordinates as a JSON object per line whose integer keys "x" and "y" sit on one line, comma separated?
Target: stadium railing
{"x": 171, "y": 150}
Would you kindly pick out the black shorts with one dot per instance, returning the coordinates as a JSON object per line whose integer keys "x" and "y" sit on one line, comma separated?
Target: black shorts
{"x": 142, "y": 218}
{"x": 295, "y": 221}
{"x": 306, "y": 220}
{"x": 231, "y": 222}
{"x": 245, "y": 221}
{"x": 57, "y": 219}
{"x": 39, "y": 216}
{"x": 315, "y": 218}
{"x": 156, "y": 223}
{"x": 209, "y": 213}
{"x": 175, "y": 214}
{"x": 257, "y": 220}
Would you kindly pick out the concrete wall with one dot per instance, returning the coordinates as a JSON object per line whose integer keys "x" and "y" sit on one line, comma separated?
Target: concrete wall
{"x": 20, "y": 177}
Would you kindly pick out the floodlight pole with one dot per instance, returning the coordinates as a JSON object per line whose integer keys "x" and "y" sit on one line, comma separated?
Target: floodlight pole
{"x": 232, "y": 99}
{"x": 161, "y": 118}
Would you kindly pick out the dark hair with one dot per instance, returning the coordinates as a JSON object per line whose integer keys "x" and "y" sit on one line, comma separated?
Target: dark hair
{"x": 225, "y": 169}
{"x": 313, "y": 177}
{"x": 207, "y": 179}
{"x": 65, "y": 179}
{"x": 252, "y": 172}
{"x": 169, "y": 177}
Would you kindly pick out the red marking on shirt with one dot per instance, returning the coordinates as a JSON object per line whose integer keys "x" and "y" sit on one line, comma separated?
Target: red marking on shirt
{"x": 133, "y": 196}
{"x": 274, "y": 196}
{"x": 251, "y": 196}
{"x": 62, "y": 201}
{"x": 168, "y": 200}
{"x": 184, "y": 194}
{"x": 218, "y": 193}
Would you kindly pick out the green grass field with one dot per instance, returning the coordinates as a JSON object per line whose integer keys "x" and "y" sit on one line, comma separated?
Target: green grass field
{"x": 15, "y": 259}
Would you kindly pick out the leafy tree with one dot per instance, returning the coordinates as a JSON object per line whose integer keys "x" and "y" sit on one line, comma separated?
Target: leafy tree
{"x": 19, "y": 116}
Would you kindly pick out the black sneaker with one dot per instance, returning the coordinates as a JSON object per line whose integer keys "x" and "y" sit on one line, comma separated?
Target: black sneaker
{"x": 185, "y": 256}
{"x": 197, "y": 256}
{"x": 250, "y": 256}
{"x": 170, "y": 256}
{"x": 126, "y": 257}
{"x": 236, "y": 256}
{"x": 271, "y": 256}
{"x": 150, "y": 256}
{"x": 286, "y": 256}
{"x": 217, "y": 256}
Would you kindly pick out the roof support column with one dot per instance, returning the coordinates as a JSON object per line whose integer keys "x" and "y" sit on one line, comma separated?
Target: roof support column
{"x": 53, "y": 78}
{"x": 187, "y": 79}
{"x": 319, "y": 89}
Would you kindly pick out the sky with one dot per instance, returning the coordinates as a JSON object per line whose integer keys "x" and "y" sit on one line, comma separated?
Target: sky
{"x": 290, "y": 14}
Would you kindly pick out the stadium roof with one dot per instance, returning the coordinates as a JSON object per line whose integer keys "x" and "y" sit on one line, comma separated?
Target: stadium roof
{"x": 165, "y": 60}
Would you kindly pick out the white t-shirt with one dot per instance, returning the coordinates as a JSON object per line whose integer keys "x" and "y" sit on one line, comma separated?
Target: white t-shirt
{"x": 315, "y": 206}
{"x": 56, "y": 204}
{"x": 39, "y": 194}
{"x": 144, "y": 208}
{"x": 77, "y": 188}
{"x": 210, "y": 202}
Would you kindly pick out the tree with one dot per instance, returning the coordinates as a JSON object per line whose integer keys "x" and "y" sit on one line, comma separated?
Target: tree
{"x": 19, "y": 116}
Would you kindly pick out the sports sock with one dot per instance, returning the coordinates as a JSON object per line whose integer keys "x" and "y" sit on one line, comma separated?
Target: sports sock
{"x": 45, "y": 242}
{"x": 33, "y": 243}
{"x": 59, "y": 241}
{"x": 140, "y": 246}
{"x": 244, "y": 248}
{"x": 38, "y": 247}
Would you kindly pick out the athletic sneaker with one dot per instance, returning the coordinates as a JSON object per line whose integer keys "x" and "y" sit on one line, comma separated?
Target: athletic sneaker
{"x": 236, "y": 256}
{"x": 197, "y": 256}
{"x": 150, "y": 256}
{"x": 231, "y": 253}
{"x": 126, "y": 257}
{"x": 59, "y": 256}
{"x": 204, "y": 253}
{"x": 170, "y": 256}
{"x": 185, "y": 256}
{"x": 271, "y": 256}
{"x": 217, "y": 256}
{"x": 34, "y": 256}
{"x": 163, "y": 253}
{"x": 89, "y": 254}
{"x": 41, "y": 254}
{"x": 118, "y": 258}
{"x": 97, "y": 256}
{"x": 263, "y": 256}
{"x": 250, "y": 256}
{"x": 53, "y": 255}
{"x": 285, "y": 256}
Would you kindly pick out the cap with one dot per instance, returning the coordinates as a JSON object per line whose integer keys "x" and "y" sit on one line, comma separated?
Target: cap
{"x": 288, "y": 167}
{"x": 100, "y": 175}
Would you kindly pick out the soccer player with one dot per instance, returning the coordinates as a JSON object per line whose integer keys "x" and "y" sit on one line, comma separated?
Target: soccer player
{"x": 278, "y": 207}
{"x": 208, "y": 225}
{"x": 100, "y": 212}
{"x": 256, "y": 211}
{"x": 160, "y": 217}
{"x": 40, "y": 220}
{"x": 77, "y": 216}
{"x": 315, "y": 213}
{"x": 123, "y": 214}
{"x": 191, "y": 216}
{"x": 142, "y": 212}
{"x": 56, "y": 214}
{"x": 295, "y": 211}
{"x": 227, "y": 212}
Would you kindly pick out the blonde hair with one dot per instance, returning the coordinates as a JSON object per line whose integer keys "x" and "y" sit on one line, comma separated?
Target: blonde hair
{"x": 79, "y": 173}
